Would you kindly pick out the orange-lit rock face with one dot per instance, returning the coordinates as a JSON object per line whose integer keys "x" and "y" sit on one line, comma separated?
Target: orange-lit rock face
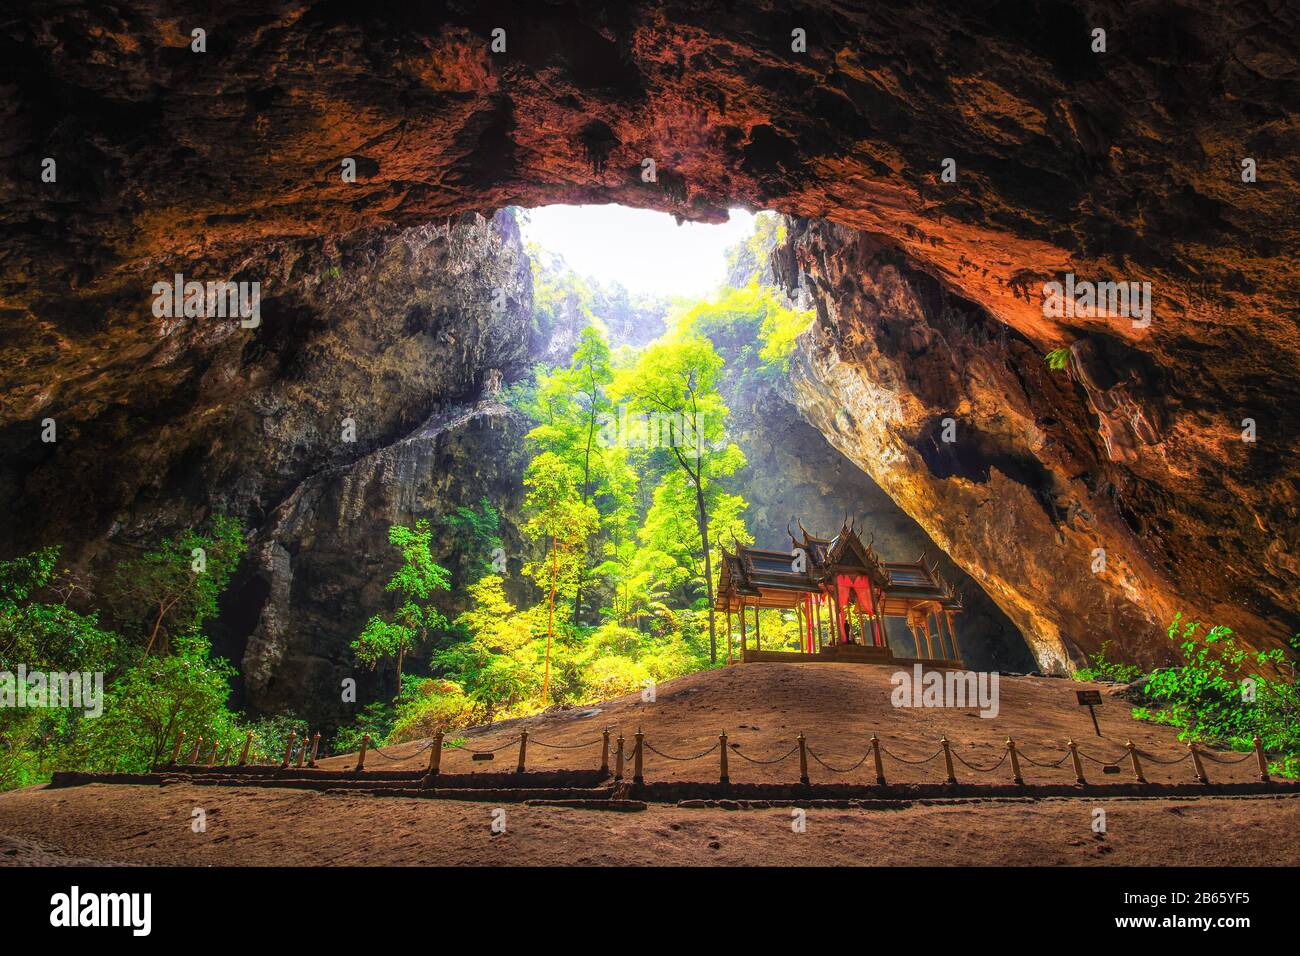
{"x": 1122, "y": 166}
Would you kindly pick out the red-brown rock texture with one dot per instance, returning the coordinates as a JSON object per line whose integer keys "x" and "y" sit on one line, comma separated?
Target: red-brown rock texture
{"x": 1123, "y": 165}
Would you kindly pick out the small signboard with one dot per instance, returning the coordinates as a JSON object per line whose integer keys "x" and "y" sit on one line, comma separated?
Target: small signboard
{"x": 1090, "y": 699}
{"x": 483, "y": 756}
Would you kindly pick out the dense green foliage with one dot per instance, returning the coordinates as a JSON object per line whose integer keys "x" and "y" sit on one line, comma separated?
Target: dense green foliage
{"x": 154, "y": 667}
{"x": 1227, "y": 695}
{"x": 415, "y": 582}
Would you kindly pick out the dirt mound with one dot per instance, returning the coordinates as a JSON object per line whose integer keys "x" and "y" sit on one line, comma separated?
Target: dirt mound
{"x": 762, "y": 707}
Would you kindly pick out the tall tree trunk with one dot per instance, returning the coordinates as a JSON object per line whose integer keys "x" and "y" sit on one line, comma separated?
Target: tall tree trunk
{"x": 586, "y": 491}
{"x": 703, "y": 519}
{"x": 401, "y": 653}
{"x": 550, "y": 621}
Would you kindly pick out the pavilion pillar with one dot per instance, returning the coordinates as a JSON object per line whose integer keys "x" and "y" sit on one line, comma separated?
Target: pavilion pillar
{"x": 817, "y": 609}
{"x": 929, "y": 644}
{"x": 952, "y": 637}
{"x": 939, "y": 621}
{"x": 744, "y": 646}
{"x": 730, "y": 655}
{"x": 758, "y": 629}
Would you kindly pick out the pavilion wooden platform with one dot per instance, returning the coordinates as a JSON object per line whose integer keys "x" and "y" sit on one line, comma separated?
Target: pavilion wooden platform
{"x": 752, "y": 655}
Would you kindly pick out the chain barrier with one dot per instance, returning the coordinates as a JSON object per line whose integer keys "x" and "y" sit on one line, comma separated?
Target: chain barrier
{"x": 971, "y": 766}
{"x": 1104, "y": 763}
{"x": 375, "y": 749}
{"x": 914, "y": 763}
{"x": 705, "y": 753}
{"x": 1210, "y": 755}
{"x": 471, "y": 750}
{"x": 1034, "y": 763}
{"x": 789, "y": 753}
{"x": 1167, "y": 763}
{"x": 1218, "y": 757}
{"x": 812, "y": 753}
{"x": 542, "y": 743}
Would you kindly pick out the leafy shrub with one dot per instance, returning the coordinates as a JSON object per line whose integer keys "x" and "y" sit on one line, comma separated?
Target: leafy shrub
{"x": 438, "y": 705}
{"x": 1208, "y": 699}
{"x": 1100, "y": 668}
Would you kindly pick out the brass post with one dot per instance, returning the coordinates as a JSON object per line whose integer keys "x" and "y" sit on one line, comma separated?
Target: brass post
{"x": 288, "y": 749}
{"x": 803, "y": 760}
{"x": 176, "y": 750}
{"x": 1137, "y": 764}
{"x": 722, "y": 758}
{"x": 194, "y": 754}
{"x": 315, "y": 745}
{"x": 243, "y": 754}
{"x": 1074, "y": 758}
{"x": 1262, "y": 760}
{"x": 212, "y": 757}
{"x": 435, "y": 760}
{"x": 604, "y": 752}
{"x": 947, "y": 758}
{"x": 637, "y": 777}
{"x": 618, "y": 760}
{"x": 880, "y": 766}
{"x": 523, "y": 750}
{"x": 302, "y": 751}
{"x": 1196, "y": 762}
{"x": 435, "y": 755}
{"x": 361, "y": 757}
{"x": 1015, "y": 763}
{"x": 225, "y": 755}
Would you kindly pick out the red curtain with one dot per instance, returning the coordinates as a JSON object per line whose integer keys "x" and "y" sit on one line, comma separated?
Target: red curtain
{"x": 857, "y": 589}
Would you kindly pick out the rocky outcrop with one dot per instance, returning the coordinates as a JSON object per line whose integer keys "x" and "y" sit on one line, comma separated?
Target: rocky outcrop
{"x": 322, "y": 558}
{"x": 791, "y": 471}
{"x": 1040, "y": 483}
{"x": 360, "y": 341}
{"x": 363, "y": 399}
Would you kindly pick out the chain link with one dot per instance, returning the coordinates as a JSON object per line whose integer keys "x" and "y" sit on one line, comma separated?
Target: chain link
{"x": 508, "y": 743}
{"x": 788, "y": 753}
{"x": 914, "y": 763}
{"x": 542, "y": 743}
{"x": 971, "y": 766}
{"x": 814, "y": 755}
{"x": 705, "y": 753}
{"x": 1034, "y": 763}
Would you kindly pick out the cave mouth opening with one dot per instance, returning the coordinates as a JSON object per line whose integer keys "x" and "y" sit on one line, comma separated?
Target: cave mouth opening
{"x": 645, "y": 278}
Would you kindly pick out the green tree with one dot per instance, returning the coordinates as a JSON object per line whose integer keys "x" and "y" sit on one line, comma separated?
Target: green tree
{"x": 40, "y": 631}
{"x": 415, "y": 581}
{"x": 174, "y": 589}
{"x": 477, "y": 533}
{"x": 557, "y": 511}
{"x": 674, "y": 382}
{"x": 155, "y": 699}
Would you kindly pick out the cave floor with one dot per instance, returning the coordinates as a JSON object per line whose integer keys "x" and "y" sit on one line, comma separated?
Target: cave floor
{"x": 248, "y": 827}
{"x": 762, "y": 707}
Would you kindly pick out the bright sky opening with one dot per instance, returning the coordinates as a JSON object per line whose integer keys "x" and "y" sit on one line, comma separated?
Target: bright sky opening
{"x": 646, "y": 251}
